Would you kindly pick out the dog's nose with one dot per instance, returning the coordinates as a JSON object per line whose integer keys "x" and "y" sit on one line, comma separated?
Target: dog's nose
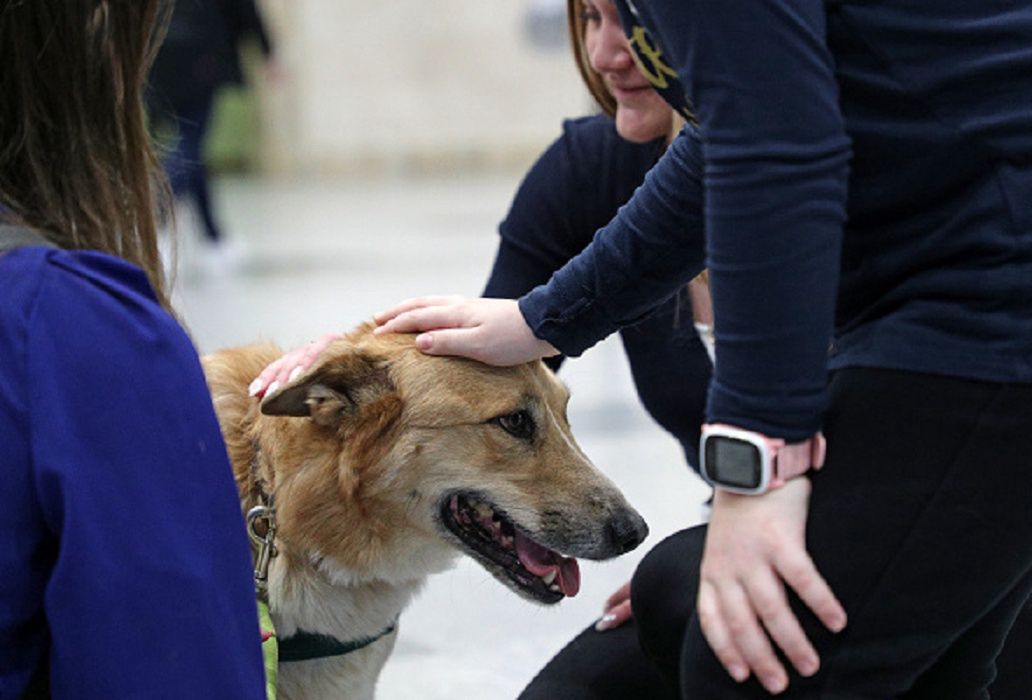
{"x": 626, "y": 531}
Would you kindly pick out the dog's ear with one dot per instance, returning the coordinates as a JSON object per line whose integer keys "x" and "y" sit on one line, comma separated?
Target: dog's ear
{"x": 330, "y": 390}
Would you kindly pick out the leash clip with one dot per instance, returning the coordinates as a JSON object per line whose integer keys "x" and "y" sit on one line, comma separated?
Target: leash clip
{"x": 264, "y": 538}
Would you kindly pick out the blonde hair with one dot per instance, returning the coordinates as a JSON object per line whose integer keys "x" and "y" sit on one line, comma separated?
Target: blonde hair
{"x": 597, "y": 86}
{"x": 592, "y": 79}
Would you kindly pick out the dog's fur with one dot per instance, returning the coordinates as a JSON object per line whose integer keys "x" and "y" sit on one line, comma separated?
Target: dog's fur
{"x": 381, "y": 440}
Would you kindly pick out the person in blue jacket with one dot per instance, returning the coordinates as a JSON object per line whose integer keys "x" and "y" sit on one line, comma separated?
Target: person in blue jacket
{"x": 126, "y": 568}
{"x": 862, "y": 199}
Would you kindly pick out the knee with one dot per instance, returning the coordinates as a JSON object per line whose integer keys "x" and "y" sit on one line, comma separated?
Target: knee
{"x": 663, "y": 591}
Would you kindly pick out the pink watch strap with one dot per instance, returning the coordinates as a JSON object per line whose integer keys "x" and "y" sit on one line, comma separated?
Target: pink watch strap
{"x": 797, "y": 458}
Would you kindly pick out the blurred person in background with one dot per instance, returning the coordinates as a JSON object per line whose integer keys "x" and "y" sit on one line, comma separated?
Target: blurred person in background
{"x": 126, "y": 571}
{"x": 200, "y": 55}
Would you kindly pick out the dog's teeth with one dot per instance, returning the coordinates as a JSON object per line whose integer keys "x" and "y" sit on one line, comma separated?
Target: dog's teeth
{"x": 484, "y": 510}
{"x": 555, "y": 588}
{"x": 549, "y": 577}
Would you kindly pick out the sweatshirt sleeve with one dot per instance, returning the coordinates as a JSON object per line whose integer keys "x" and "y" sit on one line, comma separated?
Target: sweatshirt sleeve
{"x": 148, "y": 591}
{"x": 651, "y": 249}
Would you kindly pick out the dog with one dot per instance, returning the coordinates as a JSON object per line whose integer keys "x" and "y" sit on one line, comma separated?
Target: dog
{"x": 381, "y": 464}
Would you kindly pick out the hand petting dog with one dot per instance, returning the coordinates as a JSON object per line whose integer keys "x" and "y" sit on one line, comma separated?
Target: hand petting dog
{"x": 489, "y": 330}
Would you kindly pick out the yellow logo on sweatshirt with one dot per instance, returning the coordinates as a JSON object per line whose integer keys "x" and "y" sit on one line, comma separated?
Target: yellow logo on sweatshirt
{"x": 657, "y": 71}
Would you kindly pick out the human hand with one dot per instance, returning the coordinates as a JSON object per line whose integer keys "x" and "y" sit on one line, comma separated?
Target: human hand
{"x": 754, "y": 546}
{"x": 288, "y": 367}
{"x": 489, "y": 330}
{"x": 617, "y": 610}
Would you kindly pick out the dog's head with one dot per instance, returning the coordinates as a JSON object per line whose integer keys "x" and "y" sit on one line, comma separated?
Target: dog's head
{"x": 429, "y": 449}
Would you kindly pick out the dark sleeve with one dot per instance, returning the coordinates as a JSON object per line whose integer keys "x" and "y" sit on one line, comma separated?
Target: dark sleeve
{"x": 574, "y": 188}
{"x": 148, "y": 591}
{"x": 641, "y": 258}
{"x": 776, "y": 161}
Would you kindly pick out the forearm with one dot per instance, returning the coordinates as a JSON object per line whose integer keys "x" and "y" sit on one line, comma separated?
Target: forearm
{"x": 651, "y": 249}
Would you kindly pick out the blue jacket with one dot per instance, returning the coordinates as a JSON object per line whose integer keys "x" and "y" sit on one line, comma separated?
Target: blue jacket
{"x": 125, "y": 563}
{"x": 863, "y": 176}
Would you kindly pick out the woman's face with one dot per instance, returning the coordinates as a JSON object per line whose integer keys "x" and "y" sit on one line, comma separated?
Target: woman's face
{"x": 641, "y": 114}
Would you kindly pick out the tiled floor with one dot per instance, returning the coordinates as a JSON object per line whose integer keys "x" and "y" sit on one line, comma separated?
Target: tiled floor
{"x": 324, "y": 256}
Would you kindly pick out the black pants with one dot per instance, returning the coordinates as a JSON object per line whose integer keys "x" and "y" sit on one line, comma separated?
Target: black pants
{"x": 184, "y": 163}
{"x": 920, "y": 522}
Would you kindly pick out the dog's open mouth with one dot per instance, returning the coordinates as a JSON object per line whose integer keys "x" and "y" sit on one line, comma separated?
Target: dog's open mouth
{"x": 537, "y": 571}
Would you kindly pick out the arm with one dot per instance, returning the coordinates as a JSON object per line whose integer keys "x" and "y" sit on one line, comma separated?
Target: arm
{"x": 776, "y": 161}
{"x": 149, "y": 591}
{"x": 650, "y": 250}
{"x": 574, "y": 188}
{"x": 540, "y": 232}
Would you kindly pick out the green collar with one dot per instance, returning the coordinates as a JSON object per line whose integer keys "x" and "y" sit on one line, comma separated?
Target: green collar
{"x": 307, "y": 645}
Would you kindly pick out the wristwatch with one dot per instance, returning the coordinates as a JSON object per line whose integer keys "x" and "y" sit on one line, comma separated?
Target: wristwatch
{"x": 743, "y": 461}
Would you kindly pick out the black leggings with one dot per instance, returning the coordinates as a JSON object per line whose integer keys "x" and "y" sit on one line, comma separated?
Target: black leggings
{"x": 920, "y": 522}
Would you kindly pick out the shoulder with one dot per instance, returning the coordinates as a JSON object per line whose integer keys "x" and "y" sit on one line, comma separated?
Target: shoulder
{"x": 90, "y": 304}
{"x": 90, "y": 278}
{"x": 603, "y": 161}
{"x": 595, "y": 138}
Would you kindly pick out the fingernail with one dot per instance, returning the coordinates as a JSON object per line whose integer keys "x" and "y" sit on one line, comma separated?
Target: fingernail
{"x": 605, "y": 622}
{"x": 253, "y": 387}
{"x": 775, "y": 684}
{"x": 739, "y": 673}
{"x": 425, "y": 341}
{"x": 809, "y": 667}
{"x": 294, "y": 374}
{"x": 273, "y": 388}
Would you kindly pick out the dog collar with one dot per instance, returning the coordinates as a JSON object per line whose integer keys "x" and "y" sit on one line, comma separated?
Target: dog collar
{"x": 305, "y": 646}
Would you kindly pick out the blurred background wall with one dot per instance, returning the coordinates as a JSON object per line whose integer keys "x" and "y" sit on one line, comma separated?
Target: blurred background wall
{"x": 400, "y": 87}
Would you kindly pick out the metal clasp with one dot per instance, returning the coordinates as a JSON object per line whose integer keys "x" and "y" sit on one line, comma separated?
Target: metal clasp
{"x": 261, "y": 528}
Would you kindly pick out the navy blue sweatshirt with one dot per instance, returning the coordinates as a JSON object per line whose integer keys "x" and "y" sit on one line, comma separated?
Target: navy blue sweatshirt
{"x": 573, "y": 189}
{"x": 865, "y": 185}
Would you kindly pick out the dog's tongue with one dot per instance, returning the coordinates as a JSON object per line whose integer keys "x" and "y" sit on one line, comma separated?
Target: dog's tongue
{"x": 541, "y": 561}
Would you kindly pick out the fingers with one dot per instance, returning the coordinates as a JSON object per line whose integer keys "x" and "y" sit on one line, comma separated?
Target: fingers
{"x": 617, "y": 609}
{"x": 414, "y": 303}
{"x": 461, "y": 342}
{"x": 425, "y": 318}
{"x": 819, "y": 448}
{"x": 767, "y": 596}
{"x": 798, "y": 571}
{"x": 620, "y": 595}
{"x": 615, "y": 616}
{"x": 717, "y": 633}
{"x": 287, "y": 368}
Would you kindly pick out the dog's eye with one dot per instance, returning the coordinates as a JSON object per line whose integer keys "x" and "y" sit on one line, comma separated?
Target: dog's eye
{"x": 519, "y": 424}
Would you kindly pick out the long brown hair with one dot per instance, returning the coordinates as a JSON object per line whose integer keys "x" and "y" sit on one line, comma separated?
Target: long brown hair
{"x": 592, "y": 80}
{"x": 76, "y": 161}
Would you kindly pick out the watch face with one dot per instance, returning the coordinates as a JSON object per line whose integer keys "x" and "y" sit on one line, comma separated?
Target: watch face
{"x": 733, "y": 462}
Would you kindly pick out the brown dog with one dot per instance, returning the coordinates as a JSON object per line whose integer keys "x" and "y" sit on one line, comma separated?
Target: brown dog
{"x": 380, "y": 463}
